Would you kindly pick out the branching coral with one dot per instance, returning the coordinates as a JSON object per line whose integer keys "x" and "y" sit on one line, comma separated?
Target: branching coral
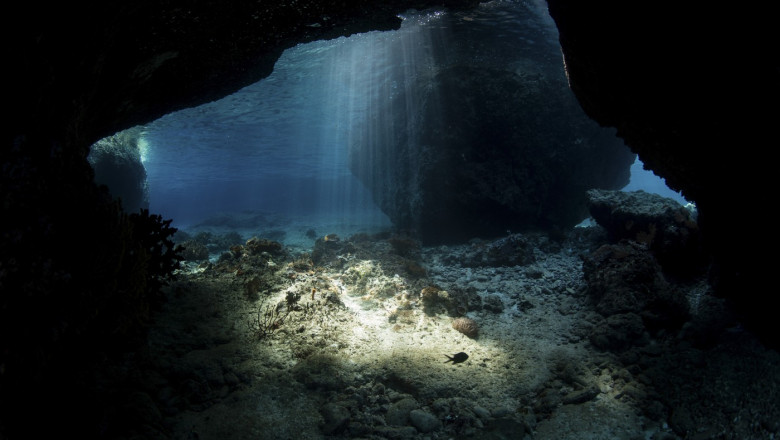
{"x": 266, "y": 320}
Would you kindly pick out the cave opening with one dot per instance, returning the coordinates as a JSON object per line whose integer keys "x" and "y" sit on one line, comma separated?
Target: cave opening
{"x": 460, "y": 126}
{"x": 362, "y": 132}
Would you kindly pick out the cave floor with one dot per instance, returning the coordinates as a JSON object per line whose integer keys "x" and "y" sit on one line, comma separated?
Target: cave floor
{"x": 280, "y": 348}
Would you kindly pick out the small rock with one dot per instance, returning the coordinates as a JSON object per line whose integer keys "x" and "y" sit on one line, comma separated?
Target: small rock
{"x": 398, "y": 413}
{"x": 507, "y": 428}
{"x": 501, "y": 411}
{"x": 395, "y": 432}
{"x": 534, "y": 272}
{"x": 378, "y": 389}
{"x": 581, "y": 396}
{"x": 493, "y": 303}
{"x": 359, "y": 429}
{"x": 682, "y": 422}
{"x": 424, "y": 421}
{"x": 335, "y": 418}
{"x": 480, "y": 412}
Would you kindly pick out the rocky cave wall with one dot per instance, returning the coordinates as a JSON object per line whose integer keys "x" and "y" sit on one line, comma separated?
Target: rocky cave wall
{"x": 693, "y": 90}
{"x": 76, "y": 274}
{"x": 83, "y": 71}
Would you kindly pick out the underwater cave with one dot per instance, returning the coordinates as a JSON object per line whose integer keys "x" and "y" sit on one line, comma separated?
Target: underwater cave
{"x": 458, "y": 125}
{"x": 408, "y": 220}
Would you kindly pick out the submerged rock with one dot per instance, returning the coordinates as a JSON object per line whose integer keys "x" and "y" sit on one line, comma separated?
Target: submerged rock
{"x": 335, "y": 418}
{"x": 256, "y": 246}
{"x": 628, "y": 288}
{"x": 668, "y": 229}
{"x": 424, "y": 421}
{"x": 194, "y": 251}
{"x": 399, "y": 412}
{"x": 495, "y": 142}
{"x": 618, "y": 332}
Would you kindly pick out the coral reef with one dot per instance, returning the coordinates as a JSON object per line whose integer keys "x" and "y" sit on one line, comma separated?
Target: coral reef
{"x": 350, "y": 346}
{"x": 414, "y": 269}
{"x": 256, "y": 246}
{"x": 154, "y": 236}
{"x": 328, "y": 248}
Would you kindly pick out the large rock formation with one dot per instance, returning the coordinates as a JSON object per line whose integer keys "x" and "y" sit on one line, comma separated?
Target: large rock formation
{"x": 74, "y": 272}
{"x": 693, "y": 89}
{"x": 493, "y": 141}
{"x": 668, "y": 229}
{"x": 84, "y": 71}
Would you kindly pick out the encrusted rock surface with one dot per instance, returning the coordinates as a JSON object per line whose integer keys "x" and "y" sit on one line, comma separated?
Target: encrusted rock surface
{"x": 668, "y": 229}
{"x": 623, "y": 279}
{"x": 548, "y": 366}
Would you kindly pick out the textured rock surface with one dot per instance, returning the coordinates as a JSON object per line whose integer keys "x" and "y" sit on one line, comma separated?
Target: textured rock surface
{"x": 667, "y": 228}
{"x": 424, "y": 421}
{"x": 496, "y": 145}
{"x": 629, "y": 290}
{"x": 86, "y": 72}
{"x": 335, "y": 419}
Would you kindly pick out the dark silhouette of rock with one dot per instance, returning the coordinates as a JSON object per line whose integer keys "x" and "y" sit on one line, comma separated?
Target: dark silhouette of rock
{"x": 699, "y": 123}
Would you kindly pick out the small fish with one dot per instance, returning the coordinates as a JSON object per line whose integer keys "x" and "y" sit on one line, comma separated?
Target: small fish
{"x": 457, "y": 358}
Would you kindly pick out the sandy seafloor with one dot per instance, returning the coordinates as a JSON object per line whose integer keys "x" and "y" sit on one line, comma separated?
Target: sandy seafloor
{"x": 361, "y": 358}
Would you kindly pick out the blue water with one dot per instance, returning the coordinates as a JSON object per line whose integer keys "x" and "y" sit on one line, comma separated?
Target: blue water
{"x": 278, "y": 149}
{"x": 646, "y": 180}
{"x": 278, "y": 145}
